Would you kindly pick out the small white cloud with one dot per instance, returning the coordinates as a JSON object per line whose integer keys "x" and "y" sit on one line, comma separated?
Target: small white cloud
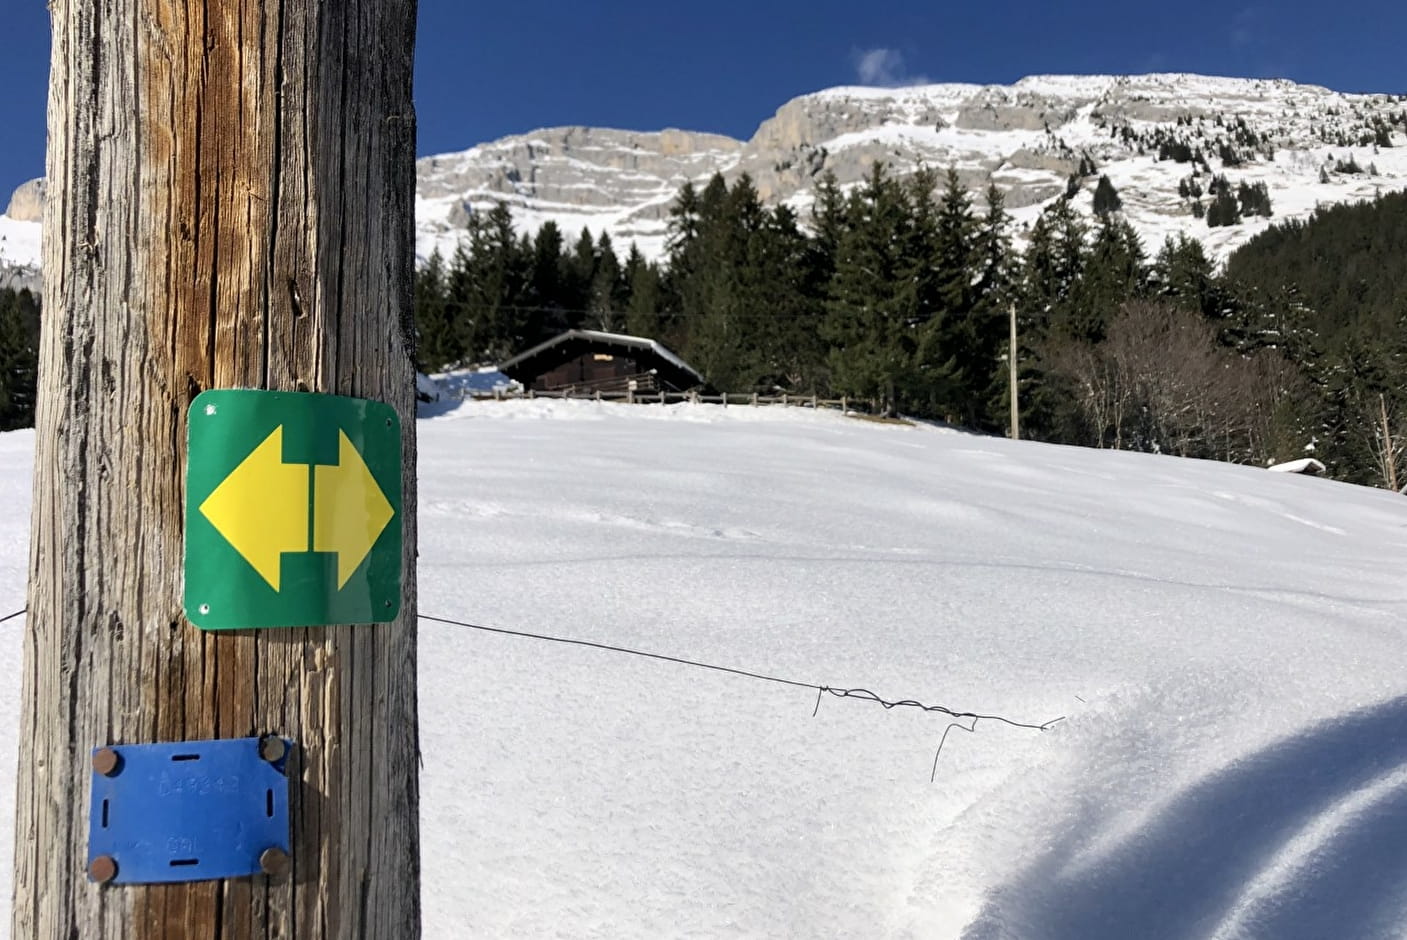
{"x": 884, "y": 67}
{"x": 1247, "y": 26}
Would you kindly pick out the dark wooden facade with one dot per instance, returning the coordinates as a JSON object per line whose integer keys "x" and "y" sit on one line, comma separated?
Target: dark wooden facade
{"x": 585, "y": 361}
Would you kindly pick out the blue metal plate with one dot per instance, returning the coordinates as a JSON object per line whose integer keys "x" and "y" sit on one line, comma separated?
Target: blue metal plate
{"x": 189, "y": 810}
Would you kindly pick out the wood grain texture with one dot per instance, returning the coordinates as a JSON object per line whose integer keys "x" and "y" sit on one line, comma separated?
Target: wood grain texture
{"x": 231, "y": 199}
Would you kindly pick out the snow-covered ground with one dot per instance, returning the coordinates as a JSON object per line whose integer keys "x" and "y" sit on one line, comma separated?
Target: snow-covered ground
{"x": 19, "y": 243}
{"x": 1226, "y": 645}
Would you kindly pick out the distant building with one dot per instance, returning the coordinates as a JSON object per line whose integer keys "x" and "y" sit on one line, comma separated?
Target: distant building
{"x": 1305, "y": 465}
{"x": 585, "y": 361}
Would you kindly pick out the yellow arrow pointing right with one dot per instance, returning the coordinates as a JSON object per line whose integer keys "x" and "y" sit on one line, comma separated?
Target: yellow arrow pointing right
{"x": 349, "y": 511}
{"x": 261, "y": 508}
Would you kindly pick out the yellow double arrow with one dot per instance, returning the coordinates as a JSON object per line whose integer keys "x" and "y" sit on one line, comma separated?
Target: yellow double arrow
{"x": 262, "y": 508}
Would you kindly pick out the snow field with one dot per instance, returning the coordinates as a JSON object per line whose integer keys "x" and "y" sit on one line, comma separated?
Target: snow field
{"x": 1225, "y": 644}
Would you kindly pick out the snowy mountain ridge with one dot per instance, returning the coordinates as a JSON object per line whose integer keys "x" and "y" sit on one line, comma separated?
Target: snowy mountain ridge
{"x": 1160, "y": 138}
{"x": 1150, "y": 134}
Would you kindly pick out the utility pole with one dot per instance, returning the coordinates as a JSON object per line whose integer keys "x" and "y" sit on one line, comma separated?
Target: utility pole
{"x": 230, "y": 199}
{"x": 1011, "y": 360}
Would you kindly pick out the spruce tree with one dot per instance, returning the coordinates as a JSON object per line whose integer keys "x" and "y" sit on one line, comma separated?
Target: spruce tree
{"x": 606, "y": 291}
{"x": 785, "y": 318}
{"x": 987, "y": 374}
{"x": 1048, "y": 291}
{"x": 1106, "y": 198}
{"x": 488, "y": 290}
{"x": 547, "y": 281}
{"x": 950, "y": 370}
{"x": 644, "y": 296}
{"x": 19, "y": 358}
{"x": 868, "y": 311}
{"x": 1114, "y": 273}
{"x": 438, "y": 340}
{"x": 1184, "y": 274}
{"x": 1224, "y": 210}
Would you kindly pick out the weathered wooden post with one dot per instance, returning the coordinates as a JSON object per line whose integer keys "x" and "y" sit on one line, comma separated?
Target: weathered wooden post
{"x": 1012, "y": 378}
{"x": 231, "y": 188}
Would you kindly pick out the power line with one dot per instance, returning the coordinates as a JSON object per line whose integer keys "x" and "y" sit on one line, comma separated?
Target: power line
{"x": 17, "y": 613}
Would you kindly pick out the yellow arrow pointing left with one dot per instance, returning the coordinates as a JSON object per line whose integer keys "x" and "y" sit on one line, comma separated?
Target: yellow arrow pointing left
{"x": 261, "y": 508}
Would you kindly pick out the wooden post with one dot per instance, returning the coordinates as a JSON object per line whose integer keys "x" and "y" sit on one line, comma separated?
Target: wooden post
{"x": 1389, "y": 451}
{"x": 231, "y": 188}
{"x": 1011, "y": 359}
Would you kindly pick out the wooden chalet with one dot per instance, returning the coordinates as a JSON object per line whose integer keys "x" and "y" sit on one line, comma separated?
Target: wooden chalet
{"x": 587, "y": 361}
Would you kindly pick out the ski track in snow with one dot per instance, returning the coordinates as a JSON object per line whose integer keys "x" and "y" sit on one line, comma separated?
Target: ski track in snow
{"x": 1224, "y": 643}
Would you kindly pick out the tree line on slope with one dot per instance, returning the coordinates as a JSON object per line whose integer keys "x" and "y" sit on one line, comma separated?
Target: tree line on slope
{"x": 897, "y": 291}
{"x": 19, "y": 357}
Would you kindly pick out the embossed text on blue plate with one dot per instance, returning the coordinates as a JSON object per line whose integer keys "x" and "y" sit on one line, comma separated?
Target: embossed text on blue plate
{"x": 189, "y": 810}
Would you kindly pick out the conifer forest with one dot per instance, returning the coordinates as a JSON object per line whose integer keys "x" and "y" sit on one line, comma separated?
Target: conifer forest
{"x": 897, "y": 293}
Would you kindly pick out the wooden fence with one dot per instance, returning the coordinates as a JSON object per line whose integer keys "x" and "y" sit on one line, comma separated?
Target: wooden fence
{"x": 661, "y": 397}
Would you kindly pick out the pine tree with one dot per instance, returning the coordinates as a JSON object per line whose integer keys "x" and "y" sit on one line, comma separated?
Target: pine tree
{"x": 1254, "y": 199}
{"x": 645, "y": 296}
{"x": 1106, "y": 198}
{"x": 869, "y": 311}
{"x": 1114, "y": 273}
{"x": 607, "y": 290}
{"x": 708, "y": 274}
{"x": 829, "y": 221}
{"x": 487, "y": 288}
{"x": 580, "y": 264}
{"x": 785, "y": 318}
{"x": 1050, "y": 276}
{"x": 19, "y": 358}
{"x": 988, "y": 383}
{"x": 953, "y": 352}
{"x": 1184, "y": 274}
{"x": 1224, "y": 209}
{"x": 547, "y": 278}
{"x": 438, "y": 341}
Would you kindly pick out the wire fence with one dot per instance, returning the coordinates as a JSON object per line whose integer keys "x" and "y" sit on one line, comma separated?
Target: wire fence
{"x": 821, "y": 689}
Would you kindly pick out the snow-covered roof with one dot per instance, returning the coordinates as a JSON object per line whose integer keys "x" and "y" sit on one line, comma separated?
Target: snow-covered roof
{"x": 686, "y": 375}
{"x": 1304, "y": 465}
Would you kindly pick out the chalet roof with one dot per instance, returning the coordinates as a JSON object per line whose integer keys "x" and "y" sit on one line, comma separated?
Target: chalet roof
{"x": 567, "y": 346}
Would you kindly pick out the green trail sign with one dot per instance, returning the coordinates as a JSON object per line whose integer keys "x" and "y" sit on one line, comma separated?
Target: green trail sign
{"x": 293, "y": 510}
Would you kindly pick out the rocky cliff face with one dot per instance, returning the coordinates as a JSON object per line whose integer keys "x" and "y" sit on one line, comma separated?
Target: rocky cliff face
{"x": 1303, "y": 142}
{"x": 27, "y": 202}
{"x": 1155, "y": 136}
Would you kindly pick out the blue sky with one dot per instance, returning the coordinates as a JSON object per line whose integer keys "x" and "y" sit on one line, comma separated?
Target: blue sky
{"x": 483, "y": 70}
